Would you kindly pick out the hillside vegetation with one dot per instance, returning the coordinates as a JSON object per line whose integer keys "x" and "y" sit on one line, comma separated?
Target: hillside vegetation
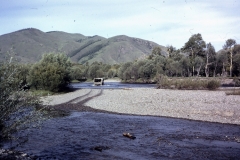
{"x": 28, "y": 45}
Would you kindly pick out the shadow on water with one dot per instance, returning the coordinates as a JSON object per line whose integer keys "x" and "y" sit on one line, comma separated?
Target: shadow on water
{"x": 90, "y": 135}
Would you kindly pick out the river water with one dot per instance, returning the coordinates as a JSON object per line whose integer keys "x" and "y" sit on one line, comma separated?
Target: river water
{"x": 92, "y": 135}
{"x": 89, "y": 135}
{"x": 111, "y": 85}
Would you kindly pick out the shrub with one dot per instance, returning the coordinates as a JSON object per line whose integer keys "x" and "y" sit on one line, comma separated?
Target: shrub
{"x": 163, "y": 82}
{"x": 51, "y": 73}
{"x": 18, "y": 108}
{"x": 187, "y": 83}
{"x": 213, "y": 84}
{"x": 236, "y": 81}
{"x": 234, "y": 92}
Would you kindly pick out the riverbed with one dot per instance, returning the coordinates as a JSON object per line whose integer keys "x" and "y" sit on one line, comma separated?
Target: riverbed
{"x": 167, "y": 124}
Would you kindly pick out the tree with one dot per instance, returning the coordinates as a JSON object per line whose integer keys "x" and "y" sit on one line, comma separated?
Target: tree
{"x": 157, "y": 51}
{"x": 209, "y": 55}
{"x": 236, "y": 64}
{"x": 149, "y": 70}
{"x": 228, "y": 46}
{"x": 185, "y": 66}
{"x": 172, "y": 67}
{"x": 170, "y": 50}
{"x": 123, "y": 68}
{"x": 194, "y": 47}
{"x": 51, "y": 73}
{"x": 173, "y": 53}
{"x": 76, "y": 73}
{"x": 160, "y": 64}
{"x": 222, "y": 62}
{"x": 111, "y": 73}
{"x": 198, "y": 63}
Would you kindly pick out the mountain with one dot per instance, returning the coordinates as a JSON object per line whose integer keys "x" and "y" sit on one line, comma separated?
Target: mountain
{"x": 28, "y": 45}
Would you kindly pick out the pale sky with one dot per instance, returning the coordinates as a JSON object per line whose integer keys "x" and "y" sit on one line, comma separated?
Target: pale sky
{"x": 166, "y": 22}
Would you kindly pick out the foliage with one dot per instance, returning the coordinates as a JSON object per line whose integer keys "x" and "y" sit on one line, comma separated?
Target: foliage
{"x": 157, "y": 51}
{"x": 213, "y": 84}
{"x": 222, "y": 62}
{"x": 236, "y": 65}
{"x": 234, "y": 92}
{"x": 195, "y": 48}
{"x": 195, "y": 59}
{"x": 186, "y": 83}
{"x": 229, "y": 43}
{"x": 19, "y": 108}
{"x": 77, "y": 72}
{"x": 51, "y": 73}
{"x": 210, "y": 57}
{"x": 228, "y": 46}
{"x": 96, "y": 69}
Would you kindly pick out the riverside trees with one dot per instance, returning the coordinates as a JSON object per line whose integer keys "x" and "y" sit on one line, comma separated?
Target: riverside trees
{"x": 194, "y": 47}
{"x": 195, "y": 58}
{"x": 228, "y": 46}
{"x": 51, "y": 73}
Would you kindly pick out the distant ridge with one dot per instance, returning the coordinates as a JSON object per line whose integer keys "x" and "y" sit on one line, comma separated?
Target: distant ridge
{"x": 28, "y": 45}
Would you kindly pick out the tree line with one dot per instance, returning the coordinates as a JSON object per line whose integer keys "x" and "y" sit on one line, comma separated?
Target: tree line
{"x": 195, "y": 58}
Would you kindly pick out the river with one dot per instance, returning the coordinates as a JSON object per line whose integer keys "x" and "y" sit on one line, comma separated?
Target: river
{"x": 94, "y": 135}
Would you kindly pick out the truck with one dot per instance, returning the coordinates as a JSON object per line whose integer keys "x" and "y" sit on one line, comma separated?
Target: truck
{"x": 98, "y": 81}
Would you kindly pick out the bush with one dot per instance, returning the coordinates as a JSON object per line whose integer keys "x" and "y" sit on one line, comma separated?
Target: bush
{"x": 213, "y": 84}
{"x": 234, "y": 92}
{"x": 51, "y": 73}
{"x": 18, "y": 107}
{"x": 236, "y": 81}
{"x": 187, "y": 83}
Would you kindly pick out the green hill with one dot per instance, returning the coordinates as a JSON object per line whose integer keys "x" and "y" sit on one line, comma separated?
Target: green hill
{"x": 28, "y": 45}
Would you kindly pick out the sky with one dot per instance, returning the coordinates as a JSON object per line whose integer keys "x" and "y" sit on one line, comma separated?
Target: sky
{"x": 166, "y": 22}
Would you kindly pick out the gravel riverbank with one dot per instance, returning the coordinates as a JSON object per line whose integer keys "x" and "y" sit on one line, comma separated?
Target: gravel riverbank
{"x": 212, "y": 106}
{"x": 86, "y": 134}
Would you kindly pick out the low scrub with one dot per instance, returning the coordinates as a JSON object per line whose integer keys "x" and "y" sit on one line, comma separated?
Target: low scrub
{"x": 213, "y": 84}
{"x": 187, "y": 83}
{"x": 234, "y": 92}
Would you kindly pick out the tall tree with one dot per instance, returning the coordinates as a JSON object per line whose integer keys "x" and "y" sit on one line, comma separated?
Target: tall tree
{"x": 228, "y": 46}
{"x": 222, "y": 61}
{"x": 194, "y": 47}
{"x": 198, "y": 63}
{"x": 209, "y": 54}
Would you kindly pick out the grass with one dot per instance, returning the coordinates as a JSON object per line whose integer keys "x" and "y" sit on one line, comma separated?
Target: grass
{"x": 234, "y": 92}
{"x": 188, "y": 83}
